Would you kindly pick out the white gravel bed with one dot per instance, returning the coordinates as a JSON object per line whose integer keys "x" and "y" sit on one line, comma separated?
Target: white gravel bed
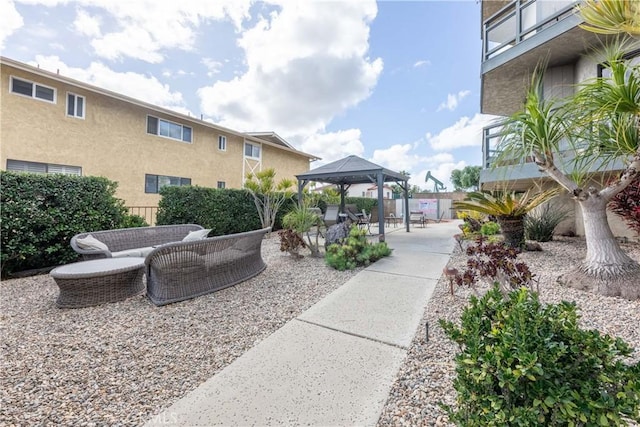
{"x": 426, "y": 378}
{"x": 119, "y": 364}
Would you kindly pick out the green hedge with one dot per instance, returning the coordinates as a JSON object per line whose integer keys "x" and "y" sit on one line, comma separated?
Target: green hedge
{"x": 224, "y": 211}
{"x": 40, "y": 214}
{"x": 366, "y": 203}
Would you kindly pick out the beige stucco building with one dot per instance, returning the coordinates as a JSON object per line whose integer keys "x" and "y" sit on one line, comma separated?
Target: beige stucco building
{"x": 51, "y": 123}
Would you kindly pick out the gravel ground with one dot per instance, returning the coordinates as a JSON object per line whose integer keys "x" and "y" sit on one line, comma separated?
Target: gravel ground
{"x": 121, "y": 363}
{"x": 426, "y": 377}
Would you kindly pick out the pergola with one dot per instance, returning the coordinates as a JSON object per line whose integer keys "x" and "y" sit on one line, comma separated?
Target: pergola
{"x": 356, "y": 170}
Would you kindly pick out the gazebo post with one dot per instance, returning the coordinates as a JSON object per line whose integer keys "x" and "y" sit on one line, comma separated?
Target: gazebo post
{"x": 380, "y": 180}
{"x": 406, "y": 204}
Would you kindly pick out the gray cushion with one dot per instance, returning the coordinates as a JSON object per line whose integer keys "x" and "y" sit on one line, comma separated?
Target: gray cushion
{"x": 196, "y": 235}
{"x": 91, "y": 243}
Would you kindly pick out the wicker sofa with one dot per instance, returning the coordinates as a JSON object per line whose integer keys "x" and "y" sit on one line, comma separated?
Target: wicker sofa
{"x": 128, "y": 241}
{"x": 183, "y": 270}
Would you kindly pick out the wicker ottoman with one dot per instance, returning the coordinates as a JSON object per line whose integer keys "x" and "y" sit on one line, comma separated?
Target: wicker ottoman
{"x": 87, "y": 283}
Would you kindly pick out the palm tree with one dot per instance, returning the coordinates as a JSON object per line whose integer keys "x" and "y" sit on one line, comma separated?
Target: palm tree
{"x": 601, "y": 125}
{"x": 509, "y": 208}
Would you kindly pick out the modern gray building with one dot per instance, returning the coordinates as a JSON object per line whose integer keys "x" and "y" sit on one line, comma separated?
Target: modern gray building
{"x": 517, "y": 36}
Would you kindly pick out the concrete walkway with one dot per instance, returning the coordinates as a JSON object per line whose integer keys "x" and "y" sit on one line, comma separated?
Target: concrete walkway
{"x": 335, "y": 363}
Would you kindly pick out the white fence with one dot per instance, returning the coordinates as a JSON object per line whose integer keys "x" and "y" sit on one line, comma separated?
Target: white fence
{"x": 434, "y": 209}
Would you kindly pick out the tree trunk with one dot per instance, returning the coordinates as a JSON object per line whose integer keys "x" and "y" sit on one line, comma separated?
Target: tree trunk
{"x": 606, "y": 269}
{"x": 513, "y": 231}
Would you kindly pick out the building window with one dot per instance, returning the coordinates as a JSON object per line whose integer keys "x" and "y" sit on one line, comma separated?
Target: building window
{"x": 75, "y": 105}
{"x": 222, "y": 143}
{"x": 153, "y": 183}
{"x": 34, "y": 90}
{"x": 633, "y": 57}
{"x": 251, "y": 150}
{"x": 156, "y": 126}
{"x": 36, "y": 167}
{"x": 222, "y": 184}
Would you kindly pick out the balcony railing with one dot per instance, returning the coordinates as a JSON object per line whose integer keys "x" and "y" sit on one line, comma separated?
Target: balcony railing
{"x": 520, "y": 20}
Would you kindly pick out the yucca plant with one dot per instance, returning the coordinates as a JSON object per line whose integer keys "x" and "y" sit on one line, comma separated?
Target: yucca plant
{"x": 611, "y": 16}
{"x": 509, "y": 209}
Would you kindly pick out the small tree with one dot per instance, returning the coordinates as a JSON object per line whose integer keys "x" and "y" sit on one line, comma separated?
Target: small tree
{"x": 268, "y": 195}
{"x": 467, "y": 178}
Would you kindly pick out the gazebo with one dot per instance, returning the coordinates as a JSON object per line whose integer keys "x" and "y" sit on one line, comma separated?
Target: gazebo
{"x": 356, "y": 170}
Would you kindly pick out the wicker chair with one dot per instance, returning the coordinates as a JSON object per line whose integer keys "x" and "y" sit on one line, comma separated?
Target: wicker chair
{"x": 184, "y": 270}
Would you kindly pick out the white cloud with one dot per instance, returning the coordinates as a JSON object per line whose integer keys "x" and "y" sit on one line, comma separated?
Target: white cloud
{"x": 213, "y": 66}
{"x": 333, "y": 146}
{"x": 143, "y": 29}
{"x": 421, "y": 63}
{"x": 132, "y": 84}
{"x": 11, "y": 20}
{"x": 86, "y": 24}
{"x": 306, "y": 63}
{"x": 466, "y": 132}
{"x": 452, "y": 100}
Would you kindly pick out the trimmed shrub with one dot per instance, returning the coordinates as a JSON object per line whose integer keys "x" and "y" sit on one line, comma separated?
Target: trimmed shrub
{"x": 539, "y": 225}
{"x": 224, "y": 211}
{"x": 366, "y": 203}
{"x": 355, "y": 251}
{"x": 522, "y": 363}
{"x": 40, "y": 214}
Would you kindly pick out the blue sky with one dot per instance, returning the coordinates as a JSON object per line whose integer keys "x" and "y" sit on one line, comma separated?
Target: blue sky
{"x": 395, "y": 82}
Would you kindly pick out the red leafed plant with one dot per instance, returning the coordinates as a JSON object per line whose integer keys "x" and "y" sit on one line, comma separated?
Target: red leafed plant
{"x": 496, "y": 263}
{"x": 627, "y": 205}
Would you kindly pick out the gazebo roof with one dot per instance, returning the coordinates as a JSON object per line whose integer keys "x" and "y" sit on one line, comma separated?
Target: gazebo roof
{"x": 351, "y": 170}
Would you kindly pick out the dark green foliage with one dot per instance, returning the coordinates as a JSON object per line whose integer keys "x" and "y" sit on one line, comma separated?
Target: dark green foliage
{"x": 522, "y": 363}
{"x": 289, "y": 204}
{"x": 132, "y": 221}
{"x": 355, "y": 251}
{"x": 539, "y": 225}
{"x": 40, "y": 214}
{"x": 224, "y": 211}
{"x": 626, "y": 204}
{"x": 366, "y": 203}
{"x": 489, "y": 228}
{"x": 467, "y": 178}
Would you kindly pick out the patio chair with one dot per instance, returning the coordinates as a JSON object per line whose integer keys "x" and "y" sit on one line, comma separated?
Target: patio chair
{"x": 365, "y": 221}
{"x": 331, "y": 215}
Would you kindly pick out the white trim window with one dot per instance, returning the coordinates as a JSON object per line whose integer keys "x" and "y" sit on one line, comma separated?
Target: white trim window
{"x": 75, "y": 105}
{"x": 251, "y": 150}
{"x": 222, "y": 143}
{"x": 222, "y": 184}
{"x": 46, "y": 168}
{"x": 167, "y": 129}
{"x": 33, "y": 90}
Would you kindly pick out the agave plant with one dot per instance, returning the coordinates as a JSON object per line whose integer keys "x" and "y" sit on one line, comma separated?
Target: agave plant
{"x": 509, "y": 209}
